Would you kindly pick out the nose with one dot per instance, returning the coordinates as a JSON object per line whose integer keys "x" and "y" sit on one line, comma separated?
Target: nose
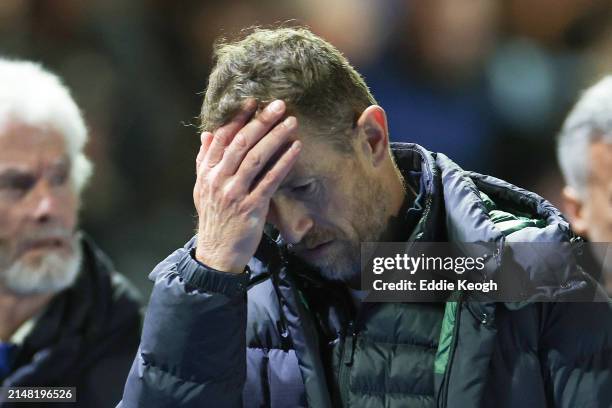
{"x": 290, "y": 218}
{"x": 43, "y": 204}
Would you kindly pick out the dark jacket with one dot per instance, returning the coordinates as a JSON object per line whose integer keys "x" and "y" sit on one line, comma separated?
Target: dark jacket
{"x": 86, "y": 337}
{"x": 274, "y": 338}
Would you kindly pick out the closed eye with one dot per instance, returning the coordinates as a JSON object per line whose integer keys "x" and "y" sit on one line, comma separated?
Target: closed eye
{"x": 303, "y": 188}
{"x": 59, "y": 176}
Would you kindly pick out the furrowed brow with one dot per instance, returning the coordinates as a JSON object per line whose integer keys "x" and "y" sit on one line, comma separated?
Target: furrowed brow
{"x": 11, "y": 172}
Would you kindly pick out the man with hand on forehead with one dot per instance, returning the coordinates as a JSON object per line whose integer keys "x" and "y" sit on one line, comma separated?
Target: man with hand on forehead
{"x": 66, "y": 318}
{"x": 227, "y": 166}
{"x": 264, "y": 308}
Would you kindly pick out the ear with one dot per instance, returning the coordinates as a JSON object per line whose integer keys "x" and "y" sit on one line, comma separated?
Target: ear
{"x": 575, "y": 210}
{"x": 372, "y": 126}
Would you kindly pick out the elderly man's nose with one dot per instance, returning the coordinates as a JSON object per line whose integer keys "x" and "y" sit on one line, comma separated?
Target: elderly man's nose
{"x": 44, "y": 204}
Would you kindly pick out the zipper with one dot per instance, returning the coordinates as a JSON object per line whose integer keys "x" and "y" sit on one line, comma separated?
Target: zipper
{"x": 346, "y": 361}
{"x": 348, "y": 350}
{"x": 443, "y": 396}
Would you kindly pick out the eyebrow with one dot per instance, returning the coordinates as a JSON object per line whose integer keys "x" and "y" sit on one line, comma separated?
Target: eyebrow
{"x": 63, "y": 163}
{"x": 13, "y": 172}
{"x": 16, "y": 171}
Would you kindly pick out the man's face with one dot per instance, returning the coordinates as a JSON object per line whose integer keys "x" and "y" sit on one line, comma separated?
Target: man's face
{"x": 39, "y": 251}
{"x": 598, "y": 206}
{"x": 329, "y": 203}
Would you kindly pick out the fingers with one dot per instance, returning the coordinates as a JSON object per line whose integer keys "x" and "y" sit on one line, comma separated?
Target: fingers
{"x": 225, "y": 134}
{"x": 261, "y": 154}
{"x": 249, "y": 135}
{"x": 273, "y": 178}
{"x": 206, "y": 139}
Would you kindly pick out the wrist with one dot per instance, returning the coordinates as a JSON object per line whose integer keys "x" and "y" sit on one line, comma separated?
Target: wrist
{"x": 200, "y": 276}
{"x": 219, "y": 263}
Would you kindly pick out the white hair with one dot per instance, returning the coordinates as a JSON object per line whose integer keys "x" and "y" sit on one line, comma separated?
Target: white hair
{"x": 590, "y": 119}
{"x": 33, "y": 96}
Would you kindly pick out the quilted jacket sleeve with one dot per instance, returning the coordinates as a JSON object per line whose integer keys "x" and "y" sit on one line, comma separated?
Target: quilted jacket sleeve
{"x": 192, "y": 348}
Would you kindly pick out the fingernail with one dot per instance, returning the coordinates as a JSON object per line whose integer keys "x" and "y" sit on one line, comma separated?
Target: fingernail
{"x": 289, "y": 122}
{"x": 276, "y": 106}
{"x": 297, "y": 145}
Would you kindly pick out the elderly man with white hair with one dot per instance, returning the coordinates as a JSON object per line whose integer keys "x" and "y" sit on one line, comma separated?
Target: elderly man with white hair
{"x": 66, "y": 318}
{"x": 585, "y": 157}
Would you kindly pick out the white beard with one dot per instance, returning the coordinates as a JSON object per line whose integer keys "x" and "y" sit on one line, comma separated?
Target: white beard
{"x": 52, "y": 274}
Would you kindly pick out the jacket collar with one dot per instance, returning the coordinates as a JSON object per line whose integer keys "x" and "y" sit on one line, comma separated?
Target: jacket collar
{"x": 454, "y": 211}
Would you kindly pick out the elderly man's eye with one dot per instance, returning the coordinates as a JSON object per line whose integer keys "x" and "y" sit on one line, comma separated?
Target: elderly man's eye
{"x": 59, "y": 178}
{"x": 16, "y": 185}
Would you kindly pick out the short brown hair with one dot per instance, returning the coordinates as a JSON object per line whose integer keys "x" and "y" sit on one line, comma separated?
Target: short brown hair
{"x": 315, "y": 80}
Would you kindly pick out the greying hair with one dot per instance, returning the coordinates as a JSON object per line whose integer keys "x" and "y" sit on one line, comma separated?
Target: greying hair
{"x": 310, "y": 75}
{"x": 31, "y": 95}
{"x": 590, "y": 119}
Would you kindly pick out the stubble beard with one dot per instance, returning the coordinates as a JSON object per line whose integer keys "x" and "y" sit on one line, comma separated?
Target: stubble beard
{"x": 368, "y": 210}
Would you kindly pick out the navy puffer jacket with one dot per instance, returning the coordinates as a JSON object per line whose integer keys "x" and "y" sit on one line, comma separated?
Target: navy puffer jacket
{"x": 273, "y": 338}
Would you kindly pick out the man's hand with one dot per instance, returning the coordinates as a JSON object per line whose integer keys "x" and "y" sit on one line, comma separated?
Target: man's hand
{"x": 230, "y": 195}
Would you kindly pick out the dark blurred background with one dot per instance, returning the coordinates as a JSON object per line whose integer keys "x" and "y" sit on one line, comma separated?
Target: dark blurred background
{"x": 487, "y": 82}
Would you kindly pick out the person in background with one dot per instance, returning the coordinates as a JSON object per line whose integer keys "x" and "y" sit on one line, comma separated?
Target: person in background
{"x": 66, "y": 318}
{"x": 585, "y": 156}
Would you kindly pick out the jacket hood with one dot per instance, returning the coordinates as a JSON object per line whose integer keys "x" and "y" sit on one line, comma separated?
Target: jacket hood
{"x": 464, "y": 206}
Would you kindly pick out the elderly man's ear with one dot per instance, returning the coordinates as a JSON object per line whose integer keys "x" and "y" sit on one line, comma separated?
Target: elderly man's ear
{"x": 372, "y": 125}
{"x": 575, "y": 210}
